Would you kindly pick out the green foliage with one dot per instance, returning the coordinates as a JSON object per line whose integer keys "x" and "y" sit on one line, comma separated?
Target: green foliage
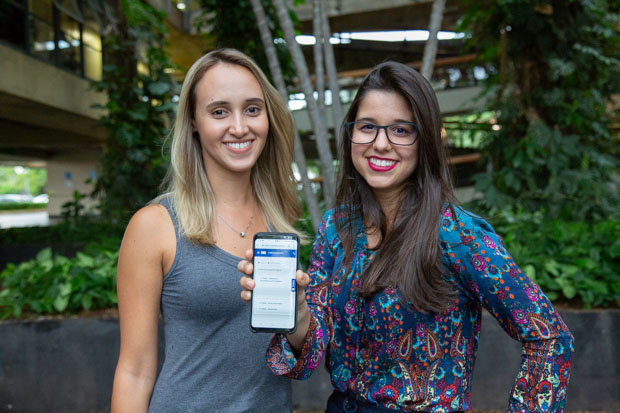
{"x": 71, "y": 210}
{"x": 558, "y": 63}
{"x": 32, "y": 180}
{"x": 575, "y": 261}
{"x": 304, "y": 225}
{"x": 469, "y": 130}
{"x": 55, "y": 284}
{"x": 22, "y": 205}
{"x": 83, "y": 231}
{"x": 233, "y": 24}
{"x": 139, "y": 109}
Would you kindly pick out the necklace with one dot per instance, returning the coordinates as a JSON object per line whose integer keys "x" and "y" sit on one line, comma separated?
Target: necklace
{"x": 241, "y": 233}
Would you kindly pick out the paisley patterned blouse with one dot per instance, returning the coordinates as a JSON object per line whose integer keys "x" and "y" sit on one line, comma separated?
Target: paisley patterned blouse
{"x": 407, "y": 360}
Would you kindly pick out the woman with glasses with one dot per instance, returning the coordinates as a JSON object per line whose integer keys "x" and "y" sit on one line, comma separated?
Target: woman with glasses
{"x": 399, "y": 274}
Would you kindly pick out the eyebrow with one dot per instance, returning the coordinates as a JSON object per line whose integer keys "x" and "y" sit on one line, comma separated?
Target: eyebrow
{"x": 255, "y": 100}
{"x": 372, "y": 120}
{"x": 224, "y": 102}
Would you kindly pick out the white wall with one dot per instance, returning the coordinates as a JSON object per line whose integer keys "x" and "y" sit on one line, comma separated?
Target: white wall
{"x": 60, "y": 189}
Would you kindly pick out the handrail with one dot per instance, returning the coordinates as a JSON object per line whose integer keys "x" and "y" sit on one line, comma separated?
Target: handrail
{"x": 467, "y": 158}
{"x": 444, "y": 61}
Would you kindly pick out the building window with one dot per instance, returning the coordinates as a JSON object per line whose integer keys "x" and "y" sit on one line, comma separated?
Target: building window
{"x": 91, "y": 42}
{"x": 65, "y": 33}
{"x": 13, "y": 22}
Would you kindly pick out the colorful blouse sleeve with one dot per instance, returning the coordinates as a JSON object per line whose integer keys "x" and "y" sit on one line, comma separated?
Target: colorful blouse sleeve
{"x": 280, "y": 356}
{"x": 487, "y": 273}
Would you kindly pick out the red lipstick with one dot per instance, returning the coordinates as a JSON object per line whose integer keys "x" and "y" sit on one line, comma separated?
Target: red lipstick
{"x": 381, "y": 164}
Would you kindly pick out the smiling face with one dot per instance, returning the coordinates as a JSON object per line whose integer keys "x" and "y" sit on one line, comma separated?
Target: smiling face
{"x": 230, "y": 118}
{"x": 384, "y": 166}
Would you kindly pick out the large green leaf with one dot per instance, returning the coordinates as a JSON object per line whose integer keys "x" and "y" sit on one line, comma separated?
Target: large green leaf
{"x": 60, "y": 303}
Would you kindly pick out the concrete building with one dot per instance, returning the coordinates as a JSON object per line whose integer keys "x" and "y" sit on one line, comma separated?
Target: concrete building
{"x": 48, "y": 56}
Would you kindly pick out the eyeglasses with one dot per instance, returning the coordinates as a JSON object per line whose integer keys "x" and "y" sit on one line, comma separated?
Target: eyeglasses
{"x": 402, "y": 134}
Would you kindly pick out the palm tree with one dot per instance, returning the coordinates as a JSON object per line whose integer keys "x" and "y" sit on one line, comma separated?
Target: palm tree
{"x": 332, "y": 74}
{"x": 430, "y": 49}
{"x": 320, "y": 129}
{"x": 319, "y": 72}
{"x": 278, "y": 79}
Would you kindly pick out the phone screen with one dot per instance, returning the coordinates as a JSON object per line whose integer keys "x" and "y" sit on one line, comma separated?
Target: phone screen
{"x": 274, "y": 296}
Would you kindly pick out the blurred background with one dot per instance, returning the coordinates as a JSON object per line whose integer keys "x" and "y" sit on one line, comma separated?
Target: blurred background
{"x": 529, "y": 92}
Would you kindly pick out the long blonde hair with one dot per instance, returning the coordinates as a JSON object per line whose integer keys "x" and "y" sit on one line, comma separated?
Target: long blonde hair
{"x": 272, "y": 176}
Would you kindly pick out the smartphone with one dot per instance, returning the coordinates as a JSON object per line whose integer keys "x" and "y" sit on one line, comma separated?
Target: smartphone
{"x": 274, "y": 299}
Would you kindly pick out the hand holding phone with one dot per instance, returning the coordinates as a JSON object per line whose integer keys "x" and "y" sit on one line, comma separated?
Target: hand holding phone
{"x": 274, "y": 297}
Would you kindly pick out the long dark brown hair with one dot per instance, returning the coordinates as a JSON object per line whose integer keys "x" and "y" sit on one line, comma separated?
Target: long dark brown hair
{"x": 408, "y": 256}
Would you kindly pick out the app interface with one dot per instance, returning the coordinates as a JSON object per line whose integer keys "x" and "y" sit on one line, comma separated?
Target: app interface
{"x": 273, "y": 302}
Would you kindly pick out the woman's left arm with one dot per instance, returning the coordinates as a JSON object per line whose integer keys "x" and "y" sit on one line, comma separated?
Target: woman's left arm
{"x": 490, "y": 274}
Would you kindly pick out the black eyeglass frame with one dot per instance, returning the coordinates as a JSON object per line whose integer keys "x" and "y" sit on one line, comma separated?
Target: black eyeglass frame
{"x": 348, "y": 126}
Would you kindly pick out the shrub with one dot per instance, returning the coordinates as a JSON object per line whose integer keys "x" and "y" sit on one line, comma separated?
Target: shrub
{"x": 81, "y": 232}
{"x": 554, "y": 68}
{"x": 13, "y": 206}
{"x": 305, "y": 225}
{"x": 52, "y": 284}
{"x": 574, "y": 261}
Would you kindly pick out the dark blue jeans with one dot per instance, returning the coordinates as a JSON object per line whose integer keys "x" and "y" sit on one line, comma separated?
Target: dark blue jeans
{"x": 345, "y": 403}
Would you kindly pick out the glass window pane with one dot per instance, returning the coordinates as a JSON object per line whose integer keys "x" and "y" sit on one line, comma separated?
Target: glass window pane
{"x": 69, "y": 26}
{"x": 41, "y": 39}
{"x": 93, "y": 13}
{"x": 70, "y": 8}
{"x": 92, "y": 63}
{"x": 12, "y": 29}
{"x": 69, "y": 52}
{"x": 91, "y": 38}
{"x": 42, "y": 9}
{"x": 92, "y": 53}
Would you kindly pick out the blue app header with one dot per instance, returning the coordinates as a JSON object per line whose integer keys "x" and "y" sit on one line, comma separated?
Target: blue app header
{"x": 265, "y": 252}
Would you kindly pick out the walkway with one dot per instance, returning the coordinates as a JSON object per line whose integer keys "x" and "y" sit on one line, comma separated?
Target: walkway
{"x": 24, "y": 219}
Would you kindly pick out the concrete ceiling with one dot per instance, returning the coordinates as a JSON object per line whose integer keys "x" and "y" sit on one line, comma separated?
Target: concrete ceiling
{"x": 347, "y": 16}
{"x": 378, "y": 15}
{"x": 32, "y": 130}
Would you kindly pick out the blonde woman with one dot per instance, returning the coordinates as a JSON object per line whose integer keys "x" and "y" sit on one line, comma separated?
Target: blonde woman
{"x": 230, "y": 177}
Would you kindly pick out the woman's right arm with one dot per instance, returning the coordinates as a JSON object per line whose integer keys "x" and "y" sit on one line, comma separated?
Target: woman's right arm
{"x": 143, "y": 257}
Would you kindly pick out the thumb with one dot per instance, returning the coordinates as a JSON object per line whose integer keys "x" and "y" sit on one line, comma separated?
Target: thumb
{"x": 302, "y": 279}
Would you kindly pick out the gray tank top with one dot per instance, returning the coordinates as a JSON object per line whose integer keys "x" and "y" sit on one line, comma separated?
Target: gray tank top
{"x": 213, "y": 362}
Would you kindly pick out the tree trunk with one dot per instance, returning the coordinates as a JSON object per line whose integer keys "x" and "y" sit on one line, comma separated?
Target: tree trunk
{"x": 320, "y": 130}
{"x": 430, "y": 49}
{"x": 278, "y": 79}
{"x": 319, "y": 72}
{"x": 332, "y": 75}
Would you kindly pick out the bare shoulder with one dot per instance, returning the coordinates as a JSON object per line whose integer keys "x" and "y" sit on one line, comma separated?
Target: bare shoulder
{"x": 150, "y": 218}
{"x": 150, "y": 235}
{"x": 150, "y": 221}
